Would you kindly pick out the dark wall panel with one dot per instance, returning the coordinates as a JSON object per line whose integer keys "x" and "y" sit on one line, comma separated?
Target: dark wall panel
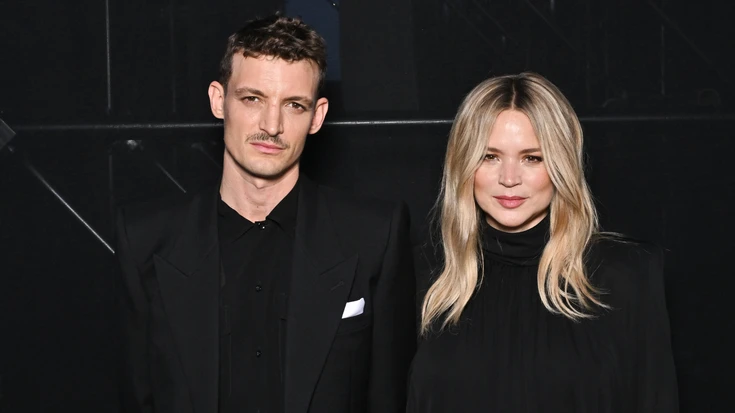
{"x": 654, "y": 183}
{"x": 56, "y": 278}
{"x": 52, "y": 56}
{"x": 377, "y": 59}
{"x": 166, "y": 52}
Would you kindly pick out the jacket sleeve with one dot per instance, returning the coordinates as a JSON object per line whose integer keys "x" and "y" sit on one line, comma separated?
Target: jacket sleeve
{"x": 654, "y": 371}
{"x": 133, "y": 311}
{"x": 394, "y": 331}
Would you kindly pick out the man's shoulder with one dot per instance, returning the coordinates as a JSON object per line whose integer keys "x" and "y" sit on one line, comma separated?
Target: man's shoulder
{"x": 353, "y": 205}
{"x": 159, "y": 216}
{"x": 148, "y": 211}
{"x": 363, "y": 220}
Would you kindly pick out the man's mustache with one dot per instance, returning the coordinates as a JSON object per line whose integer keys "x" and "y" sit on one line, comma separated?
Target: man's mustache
{"x": 264, "y": 137}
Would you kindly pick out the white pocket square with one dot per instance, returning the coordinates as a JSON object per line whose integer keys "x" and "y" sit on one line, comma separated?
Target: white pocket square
{"x": 353, "y": 308}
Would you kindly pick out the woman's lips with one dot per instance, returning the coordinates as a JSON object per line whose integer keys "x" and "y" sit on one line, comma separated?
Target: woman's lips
{"x": 510, "y": 202}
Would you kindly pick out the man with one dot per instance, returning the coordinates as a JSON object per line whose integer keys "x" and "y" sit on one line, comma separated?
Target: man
{"x": 267, "y": 292}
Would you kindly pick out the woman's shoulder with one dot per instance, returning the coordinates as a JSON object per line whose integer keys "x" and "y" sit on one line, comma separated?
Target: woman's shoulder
{"x": 625, "y": 268}
{"x": 623, "y": 250}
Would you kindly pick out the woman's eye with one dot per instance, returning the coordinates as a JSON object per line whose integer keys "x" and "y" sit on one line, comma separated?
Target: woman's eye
{"x": 533, "y": 159}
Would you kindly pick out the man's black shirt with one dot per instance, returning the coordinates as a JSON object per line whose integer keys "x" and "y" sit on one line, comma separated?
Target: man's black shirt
{"x": 256, "y": 267}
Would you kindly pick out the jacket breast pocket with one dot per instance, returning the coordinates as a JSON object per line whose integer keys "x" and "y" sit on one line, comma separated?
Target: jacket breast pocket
{"x": 354, "y": 324}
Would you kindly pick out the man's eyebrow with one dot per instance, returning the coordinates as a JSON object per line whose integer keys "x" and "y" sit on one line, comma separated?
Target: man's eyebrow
{"x": 248, "y": 91}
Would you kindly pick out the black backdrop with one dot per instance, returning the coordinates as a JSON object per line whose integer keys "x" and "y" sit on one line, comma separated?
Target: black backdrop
{"x": 108, "y": 99}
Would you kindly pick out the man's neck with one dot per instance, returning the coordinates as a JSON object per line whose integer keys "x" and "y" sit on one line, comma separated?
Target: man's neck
{"x": 254, "y": 198}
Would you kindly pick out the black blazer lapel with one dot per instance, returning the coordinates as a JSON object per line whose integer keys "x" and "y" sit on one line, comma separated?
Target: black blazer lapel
{"x": 189, "y": 283}
{"x": 321, "y": 279}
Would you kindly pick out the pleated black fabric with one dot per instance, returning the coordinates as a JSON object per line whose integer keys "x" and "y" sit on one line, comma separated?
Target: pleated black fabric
{"x": 510, "y": 354}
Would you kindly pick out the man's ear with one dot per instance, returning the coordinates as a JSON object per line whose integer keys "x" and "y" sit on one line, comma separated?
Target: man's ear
{"x": 217, "y": 99}
{"x": 320, "y": 112}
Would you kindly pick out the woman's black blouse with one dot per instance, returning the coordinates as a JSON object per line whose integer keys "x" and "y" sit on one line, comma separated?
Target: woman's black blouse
{"x": 510, "y": 354}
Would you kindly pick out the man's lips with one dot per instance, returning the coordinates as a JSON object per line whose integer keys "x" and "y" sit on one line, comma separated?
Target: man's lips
{"x": 266, "y": 147}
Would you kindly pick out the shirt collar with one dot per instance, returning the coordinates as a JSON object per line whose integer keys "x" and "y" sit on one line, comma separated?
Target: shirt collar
{"x": 284, "y": 214}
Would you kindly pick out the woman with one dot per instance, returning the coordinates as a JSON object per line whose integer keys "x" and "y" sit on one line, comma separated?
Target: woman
{"x": 526, "y": 306}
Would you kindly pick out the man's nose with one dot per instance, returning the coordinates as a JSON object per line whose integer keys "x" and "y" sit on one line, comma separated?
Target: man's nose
{"x": 271, "y": 121}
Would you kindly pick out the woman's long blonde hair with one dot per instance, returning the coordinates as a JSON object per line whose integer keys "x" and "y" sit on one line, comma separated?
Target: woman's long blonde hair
{"x": 563, "y": 284}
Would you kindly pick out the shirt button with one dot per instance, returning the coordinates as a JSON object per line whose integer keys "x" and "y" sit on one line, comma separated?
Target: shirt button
{"x": 258, "y": 288}
{"x": 258, "y": 353}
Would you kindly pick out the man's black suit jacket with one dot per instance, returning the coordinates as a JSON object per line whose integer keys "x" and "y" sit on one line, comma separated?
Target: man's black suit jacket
{"x": 345, "y": 249}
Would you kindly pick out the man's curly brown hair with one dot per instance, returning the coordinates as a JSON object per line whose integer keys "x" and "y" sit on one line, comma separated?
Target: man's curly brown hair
{"x": 286, "y": 38}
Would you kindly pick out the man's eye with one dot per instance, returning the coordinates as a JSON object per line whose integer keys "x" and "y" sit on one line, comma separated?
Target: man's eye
{"x": 297, "y": 106}
{"x": 250, "y": 98}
